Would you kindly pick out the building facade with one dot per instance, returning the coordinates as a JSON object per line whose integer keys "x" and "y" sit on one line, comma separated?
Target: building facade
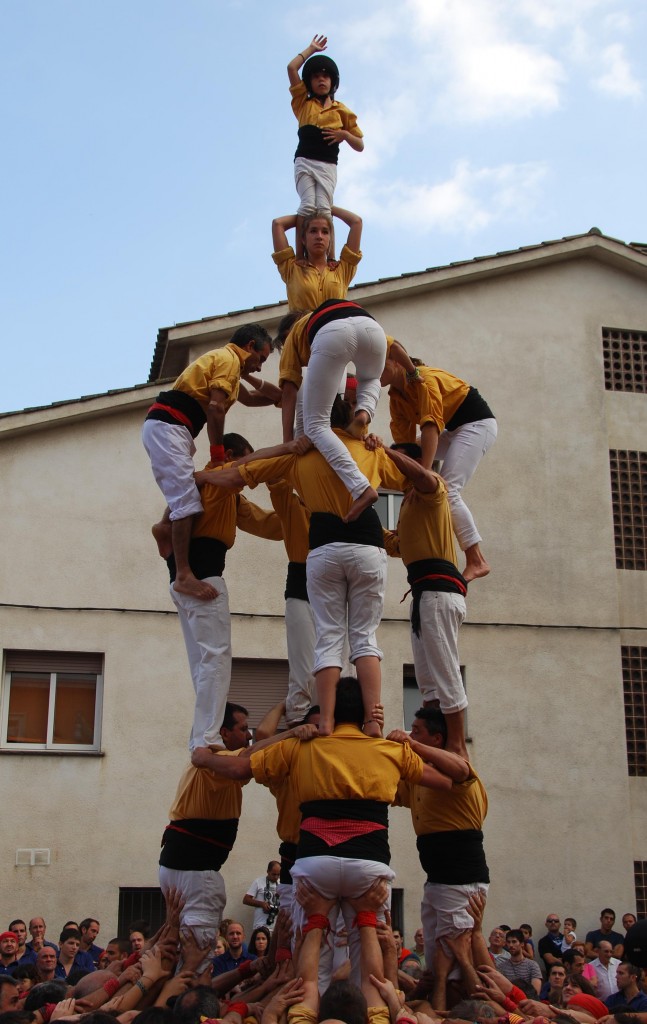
{"x": 96, "y": 699}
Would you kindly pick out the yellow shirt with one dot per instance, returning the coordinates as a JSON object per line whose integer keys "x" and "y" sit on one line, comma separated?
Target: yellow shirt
{"x": 464, "y": 806}
{"x": 308, "y": 287}
{"x": 296, "y": 352}
{"x": 310, "y": 111}
{"x": 219, "y": 368}
{"x": 348, "y": 765}
{"x": 288, "y": 824}
{"x": 317, "y": 483}
{"x": 203, "y": 794}
{"x": 435, "y": 401}
{"x": 294, "y": 518}
{"x": 223, "y": 511}
{"x": 424, "y": 528}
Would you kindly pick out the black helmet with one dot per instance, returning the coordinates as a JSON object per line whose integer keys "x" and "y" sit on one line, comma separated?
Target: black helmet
{"x": 319, "y": 62}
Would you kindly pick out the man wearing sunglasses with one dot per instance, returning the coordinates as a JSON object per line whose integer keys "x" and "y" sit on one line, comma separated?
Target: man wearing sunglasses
{"x": 550, "y": 946}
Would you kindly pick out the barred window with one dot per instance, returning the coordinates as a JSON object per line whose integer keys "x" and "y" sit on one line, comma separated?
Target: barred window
{"x": 625, "y": 360}
{"x": 640, "y": 880}
{"x": 634, "y": 681}
{"x": 629, "y": 501}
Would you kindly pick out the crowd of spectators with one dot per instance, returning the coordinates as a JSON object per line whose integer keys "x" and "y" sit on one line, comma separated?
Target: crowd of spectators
{"x": 169, "y": 978}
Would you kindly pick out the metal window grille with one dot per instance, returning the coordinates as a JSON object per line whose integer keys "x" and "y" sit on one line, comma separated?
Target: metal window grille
{"x": 629, "y": 502}
{"x": 625, "y": 360}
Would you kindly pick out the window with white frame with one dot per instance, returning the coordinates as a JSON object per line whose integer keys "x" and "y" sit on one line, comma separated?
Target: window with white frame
{"x": 52, "y": 700}
{"x": 388, "y": 508}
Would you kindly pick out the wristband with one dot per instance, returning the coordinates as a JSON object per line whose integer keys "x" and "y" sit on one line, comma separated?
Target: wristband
{"x": 413, "y": 376}
{"x": 130, "y": 960}
{"x": 241, "y": 1008}
{"x": 516, "y": 994}
{"x": 245, "y": 969}
{"x": 217, "y": 452}
{"x": 110, "y": 986}
{"x": 367, "y": 919}
{"x": 509, "y": 1004}
{"x": 47, "y": 1010}
{"x": 140, "y": 985}
{"x": 282, "y": 954}
{"x": 316, "y": 921}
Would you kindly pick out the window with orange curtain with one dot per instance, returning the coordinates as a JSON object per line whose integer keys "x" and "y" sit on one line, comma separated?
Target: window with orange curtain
{"x": 52, "y": 700}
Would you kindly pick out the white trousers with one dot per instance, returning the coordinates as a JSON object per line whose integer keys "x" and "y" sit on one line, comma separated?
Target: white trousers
{"x": 206, "y": 626}
{"x": 461, "y": 450}
{"x": 435, "y": 651}
{"x": 299, "y": 429}
{"x": 358, "y": 340}
{"x": 346, "y": 579}
{"x": 300, "y": 637}
{"x": 171, "y": 449}
{"x": 205, "y": 898}
{"x": 315, "y": 182}
{"x": 443, "y": 913}
{"x": 341, "y": 878}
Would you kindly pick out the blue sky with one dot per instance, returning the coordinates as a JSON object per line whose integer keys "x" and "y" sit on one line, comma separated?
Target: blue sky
{"x": 149, "y": 143}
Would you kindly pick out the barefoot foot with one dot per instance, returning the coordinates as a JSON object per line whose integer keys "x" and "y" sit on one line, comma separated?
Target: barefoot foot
{"x": 358, "y": 426}
{"x": 475, "y": 564}
{"x": 366, "y": 498}
{"x": 475, "y": 572}
{"x": 162, "y": 534}
{"x": 325, "y": 727}
{"x": 194, "y": 588}
{"x": 372, "y": 728}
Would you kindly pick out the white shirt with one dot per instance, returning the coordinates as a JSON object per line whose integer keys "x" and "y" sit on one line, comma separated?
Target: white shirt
{"x": 257, "y": 892}
{"x": 606, "y": 977}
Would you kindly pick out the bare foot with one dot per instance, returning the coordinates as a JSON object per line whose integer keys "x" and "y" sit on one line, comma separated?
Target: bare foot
{"x": 325, "y": 727}
{"x": 475, "y": 564}
{"x": 372, "y": 728}
{"x": 358, "y": 426}
{"x": 366, "y": 498}
{"x": 194, "y": 588}
{"x": 162, "y": 533}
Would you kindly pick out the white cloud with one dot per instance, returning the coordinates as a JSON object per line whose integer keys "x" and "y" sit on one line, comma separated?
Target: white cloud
{"x": 502, "y": 79}
{"x": 467, "y": 202}
{"x": 617, "y": 79}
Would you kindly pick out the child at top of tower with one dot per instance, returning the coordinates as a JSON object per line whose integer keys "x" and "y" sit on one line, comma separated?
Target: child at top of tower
{"x": 324, "y": 123}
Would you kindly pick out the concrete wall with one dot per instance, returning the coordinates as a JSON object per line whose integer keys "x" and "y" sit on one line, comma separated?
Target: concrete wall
{"x": 541, "y": 647}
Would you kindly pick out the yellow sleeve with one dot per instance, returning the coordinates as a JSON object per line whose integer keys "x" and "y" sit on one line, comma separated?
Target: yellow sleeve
{"x": 403, "y": 795}
{"x": 348, "y": 261}
{"x": 349, "y": 121}
{"x": 224, "y": 372}
{"x": 272, "y": 764}
{"x": 259, "y": 471}
{"x": 260, "y": 522}
{"x": 302, "y": 1014}
{"x": 391, "y": 543}
{"x": 390, "y": 476}
{"x": 293, "y": 355}
{"x": 299, "y": 95}
{"x": 284, "y": 259}
{"x": 430, "y": 403}
{"x": 403, "y": 419}
{"x": 412, "y": 765}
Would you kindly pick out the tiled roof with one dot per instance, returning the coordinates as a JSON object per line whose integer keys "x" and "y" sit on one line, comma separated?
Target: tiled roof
{"x": 162, "y": 337}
